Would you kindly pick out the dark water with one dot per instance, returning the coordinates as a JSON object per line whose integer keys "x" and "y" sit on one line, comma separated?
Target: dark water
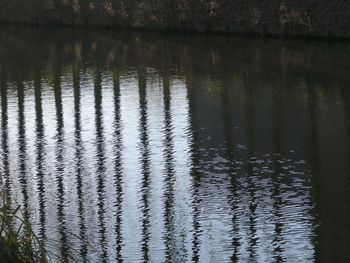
{"x": 177, "y": 148}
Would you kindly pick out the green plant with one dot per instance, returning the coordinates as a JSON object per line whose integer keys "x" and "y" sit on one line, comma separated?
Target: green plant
{"x": 18, "y": 242}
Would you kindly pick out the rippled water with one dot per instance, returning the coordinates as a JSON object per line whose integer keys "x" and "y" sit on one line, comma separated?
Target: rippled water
{"x": 175, "y": 148}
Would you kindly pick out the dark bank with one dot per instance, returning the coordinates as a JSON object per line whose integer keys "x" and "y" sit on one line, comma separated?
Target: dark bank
{"x": 302, "y": 18}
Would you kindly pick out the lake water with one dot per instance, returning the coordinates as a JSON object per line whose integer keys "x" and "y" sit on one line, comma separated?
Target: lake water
{"x": 177, "y": 148}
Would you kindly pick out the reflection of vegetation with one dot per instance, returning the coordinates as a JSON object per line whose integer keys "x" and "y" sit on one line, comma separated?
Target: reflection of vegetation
{"x": 262, "y": 61}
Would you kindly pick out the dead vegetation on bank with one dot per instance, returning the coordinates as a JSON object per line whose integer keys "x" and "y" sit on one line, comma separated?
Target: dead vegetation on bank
{"x": 280, "y": 17}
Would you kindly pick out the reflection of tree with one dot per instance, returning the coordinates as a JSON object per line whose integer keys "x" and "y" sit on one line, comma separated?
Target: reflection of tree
{"x": 169, "y": 169}
{"x": 180, "y": 55}
{"x": 250, "y": 137}
{"x": 145, "y": 162}
{"x": 194, "y": 172}
{"x": 233, "y": 176}
{"x": 277, "y": 131}
{"x": 22, "y": 144}
{"x": 60, "y": 159}
{"x": 40, "y": 167}
{"x": 4, "y": 135}
{"x": 313, "y": 110}
{"x": 118, "y": 167}
{"x": 78, "y": 157}
{"x": 100, "y": 159}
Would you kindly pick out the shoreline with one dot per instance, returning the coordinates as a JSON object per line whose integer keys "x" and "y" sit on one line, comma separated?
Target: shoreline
{"x": 174, "y": 32}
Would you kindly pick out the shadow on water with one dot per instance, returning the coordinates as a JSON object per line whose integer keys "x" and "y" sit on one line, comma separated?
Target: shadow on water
{"x": 228, "y": 149}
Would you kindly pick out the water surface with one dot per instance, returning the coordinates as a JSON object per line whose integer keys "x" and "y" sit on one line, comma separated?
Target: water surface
{"x": 178, "y": 148}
